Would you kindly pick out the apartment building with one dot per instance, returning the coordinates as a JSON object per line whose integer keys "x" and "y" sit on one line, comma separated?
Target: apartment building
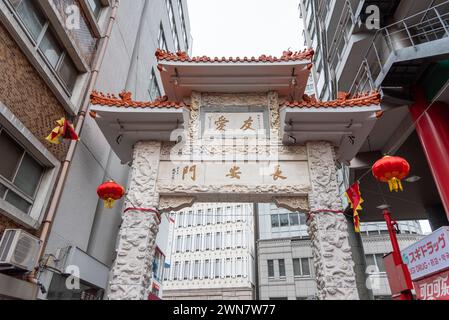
{"x": 286, "y": 270}
{"x": 212, "y": 253}
{"x": 401, "y": 49}
{"x": 53, "y": 53}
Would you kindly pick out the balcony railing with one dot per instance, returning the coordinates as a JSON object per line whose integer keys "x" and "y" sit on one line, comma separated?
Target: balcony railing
{"x": 341, "y": 35}
{"x": 424, "y": 27}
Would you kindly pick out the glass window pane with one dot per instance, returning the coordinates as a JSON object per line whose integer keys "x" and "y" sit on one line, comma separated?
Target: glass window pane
{"x": 274, "y": 221}
{"x": 31, "y": 16}
{"x": 11, "y": 153}
{"x": 294, "y": 220}
{"x": 370, "y": 260}
{"x": 29, "y": 175}
{"x": 95, "y": 5}
{"x": 302, "y": 219}
{"x": 283, "y": 220}
{"x": 2, "y": 191}
{"x": 281, "y": 267}
{"x": 270, "y": 268}
{"x": 296, "y": 267}
{"x": 380, "y": 262}
{"x": 17, "y": 201}
{"x": 68, "y": 73}
{"x": 51, "y": 48}
{"x": 305, "y": 267}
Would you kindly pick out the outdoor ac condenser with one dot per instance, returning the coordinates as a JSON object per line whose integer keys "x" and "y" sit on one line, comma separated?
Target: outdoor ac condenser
{"x": 18, "y": 250}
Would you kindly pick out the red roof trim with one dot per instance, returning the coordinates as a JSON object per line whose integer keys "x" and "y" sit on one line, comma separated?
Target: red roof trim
{"x": 125, "y": 100}
{"x": 343, "y": 101}
{"x": 287, "y": 56}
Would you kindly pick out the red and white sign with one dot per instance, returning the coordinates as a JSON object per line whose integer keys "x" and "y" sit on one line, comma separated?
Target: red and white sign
{"x": 429, "y": 255}
{"x": 434, "y": 287}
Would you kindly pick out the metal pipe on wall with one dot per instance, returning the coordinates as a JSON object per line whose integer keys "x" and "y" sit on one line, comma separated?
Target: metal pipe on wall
{"x": 48, "y": 221}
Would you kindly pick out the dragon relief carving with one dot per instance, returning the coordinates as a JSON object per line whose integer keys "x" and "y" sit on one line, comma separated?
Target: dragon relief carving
{"x": 131, "y": 272}
{"x": 333, "y": 262}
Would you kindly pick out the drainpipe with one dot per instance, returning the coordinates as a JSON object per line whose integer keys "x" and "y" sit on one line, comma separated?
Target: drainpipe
{"x": 47, "y": 223}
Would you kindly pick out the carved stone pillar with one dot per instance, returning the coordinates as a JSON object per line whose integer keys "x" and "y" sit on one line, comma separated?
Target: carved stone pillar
{"x": 332, "y": 256}
{"x": 131, "y": 274}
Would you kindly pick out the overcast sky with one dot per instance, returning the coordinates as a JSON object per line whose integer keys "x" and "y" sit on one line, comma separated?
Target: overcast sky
{"x": 244, "y": 27}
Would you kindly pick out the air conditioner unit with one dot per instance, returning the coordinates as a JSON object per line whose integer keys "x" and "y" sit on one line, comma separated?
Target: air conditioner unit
{"x": 18, "y": 250}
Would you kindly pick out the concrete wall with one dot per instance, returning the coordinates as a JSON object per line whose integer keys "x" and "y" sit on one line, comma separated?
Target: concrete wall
{"x": 81, "y": 219}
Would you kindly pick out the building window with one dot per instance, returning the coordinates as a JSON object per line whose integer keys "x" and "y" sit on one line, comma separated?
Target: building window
{"x": 239, "y": 267}
{"x": 162, "y": 42}
{"x": 46, "y": 42}
{"x": 239, "y": 239}
{"x": 301, "y": 267}
{"x": 228, "y": 268}
{"x": 178, "y": 244}
{"x": 218, "y": 241}
{"x": 20, "y": 174}
{"x": 186, "y": 270}
{"x": 281, "y": 263}
{"x": 183, "y": 25}
{"x": 376, "y": 260}
{"x": 270, "y": 268}
{"x": 197, "y": 269}
{"x": 294, "y": 219}
{"x": 228, "y": 214}
{"x": 275, "y": 221}
{"x": 95, "y": 6}
{"x": 198, "y": 242}
{"x": 188, "y": 243}
{"x": 217, "y": 268}
{"x": 239, "y": 213}
{"x": 176, "y": 271}
{"x": 206, "y": 269}
{"x": 228, "y": 239}
{"x": 172, "y": 19}
{"x": 199, "y": 217}
{"x": 208, "y": 241}
{"x": 219, "y": 215}
{"x": 283, "y": 220}
{"x": 209, "y": 216}
{"x": 158, "y": 265}
{"x": 154, "y": 90}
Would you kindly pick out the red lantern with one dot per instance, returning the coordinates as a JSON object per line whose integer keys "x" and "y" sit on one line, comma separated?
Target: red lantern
{"x": 391, "y": 170}
{"x": 110, "y": 192}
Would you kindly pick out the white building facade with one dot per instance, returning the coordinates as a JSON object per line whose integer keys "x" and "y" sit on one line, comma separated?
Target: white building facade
{"x": 212, "y": 253}
{"x": 285, "y": 255}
